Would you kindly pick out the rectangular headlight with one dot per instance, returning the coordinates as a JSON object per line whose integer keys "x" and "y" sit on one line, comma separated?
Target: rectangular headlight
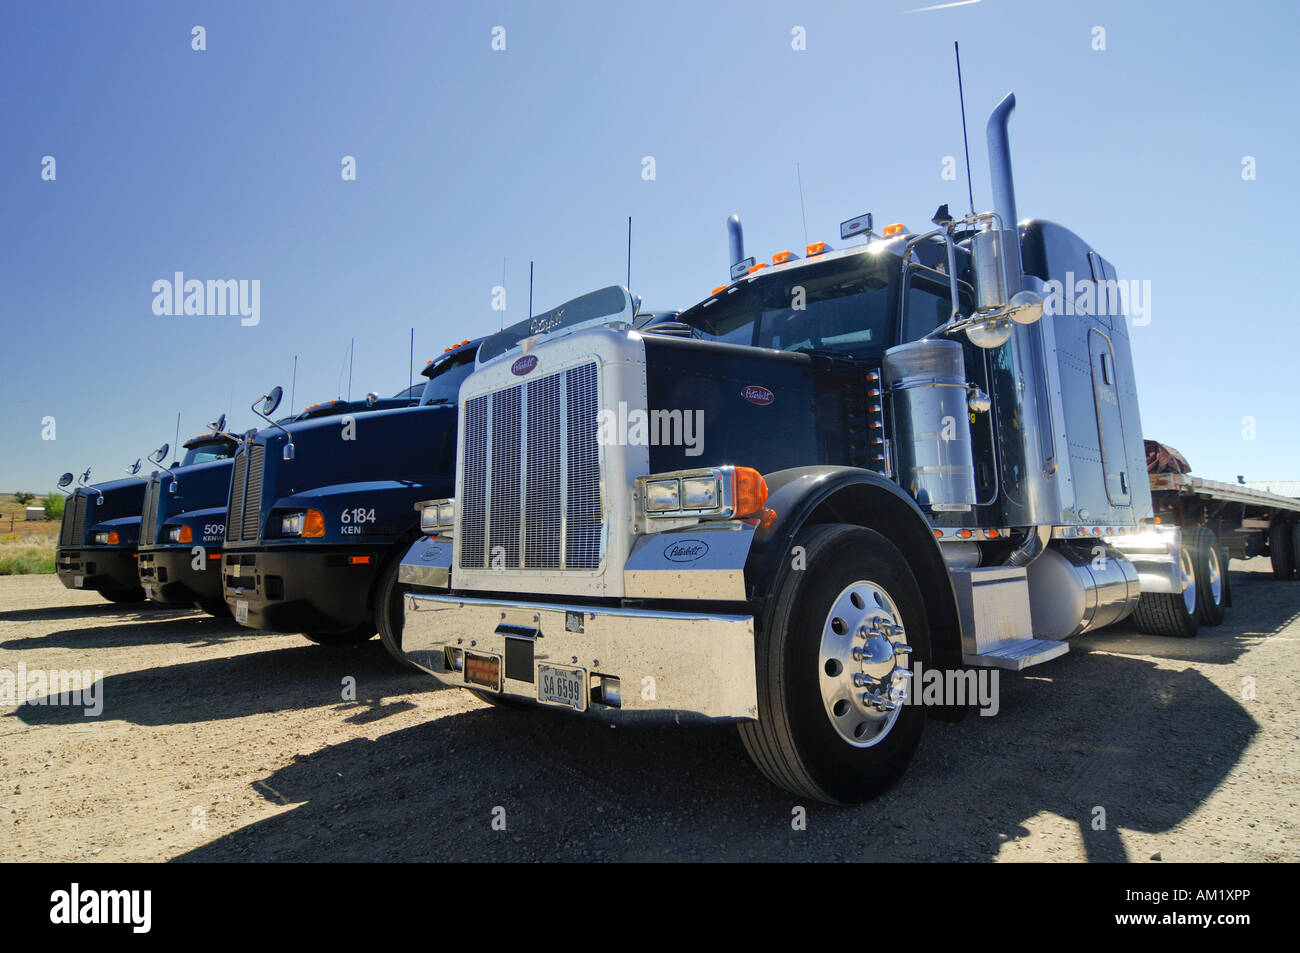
{"x": 700, "y": 493}
{"x": 662, "y": 496}
{"x": 437, "y": 515}
{"x": 291, "y": 525}
{"x": 100, "y": 539}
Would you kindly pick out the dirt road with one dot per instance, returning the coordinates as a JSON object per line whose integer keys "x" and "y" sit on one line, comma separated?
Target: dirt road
{"x": 218, "y": 743}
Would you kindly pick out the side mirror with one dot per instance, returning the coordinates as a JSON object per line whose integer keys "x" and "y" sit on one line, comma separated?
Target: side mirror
{"x": 991, "y": 333}
{"x": 1025, "y": 307}
{"x": 272, "y": 400}
{"x": 219, "y": 425}
{"x": 371, "y": 399}
{"x": 65, "y": 480}
{"x": 160, "y": 454}
{"x": 134, "y": 468}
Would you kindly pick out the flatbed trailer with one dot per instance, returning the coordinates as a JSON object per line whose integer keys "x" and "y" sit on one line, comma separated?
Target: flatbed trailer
{"x": 1245, "y": 521}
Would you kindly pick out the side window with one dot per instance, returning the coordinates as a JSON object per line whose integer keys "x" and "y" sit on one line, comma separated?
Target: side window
{"x": 928, "y": 306}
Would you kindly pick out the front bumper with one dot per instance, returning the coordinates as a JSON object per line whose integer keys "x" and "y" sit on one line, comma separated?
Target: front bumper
{"x": 101, "y": 569}
{"x": 637, "y": 664}
{"x": 300, "y": 590}
{"x": 168, "y": 576}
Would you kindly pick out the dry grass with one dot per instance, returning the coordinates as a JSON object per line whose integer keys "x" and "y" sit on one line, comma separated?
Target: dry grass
{"x": 27, "y": 553}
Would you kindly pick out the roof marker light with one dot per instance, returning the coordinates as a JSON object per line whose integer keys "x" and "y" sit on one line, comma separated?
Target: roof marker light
{"x": 759, "y": 267}
{"x": 817, "y": 248}
{"x": 781, "y": 257}
{"x": 894, "y": 229}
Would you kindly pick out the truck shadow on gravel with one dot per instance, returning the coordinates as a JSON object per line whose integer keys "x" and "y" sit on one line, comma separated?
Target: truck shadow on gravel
{"x": 106, "y": 610}
{"x": 194, "y": 630}
{"x": 284, "y": 679}
{"x": 1144, "y": 744}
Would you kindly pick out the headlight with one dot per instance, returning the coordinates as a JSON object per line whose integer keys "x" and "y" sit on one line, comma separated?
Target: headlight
{"x": 105, "y": 539}
{"x": 306, "y": 523}
{"x": 436, "y": 516}
{"x": 180, "y": 534}
{"x": 716, "y": 493}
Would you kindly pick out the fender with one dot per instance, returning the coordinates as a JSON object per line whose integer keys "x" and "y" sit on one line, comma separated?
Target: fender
{"x": 804, "y": 496}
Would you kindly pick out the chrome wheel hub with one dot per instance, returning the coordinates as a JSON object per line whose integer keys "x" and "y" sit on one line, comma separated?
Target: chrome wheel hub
{"x": 862, "y": 664}
{"x": 1188, "y": 574}
{"x": 1215, "y": 577}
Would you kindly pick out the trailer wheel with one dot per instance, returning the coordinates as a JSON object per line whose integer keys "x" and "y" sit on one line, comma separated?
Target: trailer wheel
{"x": 122, "y": 596}
{"x": 1211, "y": 575}
{"x": 362, "y": 633}
{"x": 834, "y": 660}
{"x": 1172, "y": 613}
{"x": 1281, "y": 549}
{"x": 389, "y": 612}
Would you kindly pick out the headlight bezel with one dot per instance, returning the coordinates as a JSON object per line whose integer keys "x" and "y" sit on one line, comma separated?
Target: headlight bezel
{"x": 437, "y": 516}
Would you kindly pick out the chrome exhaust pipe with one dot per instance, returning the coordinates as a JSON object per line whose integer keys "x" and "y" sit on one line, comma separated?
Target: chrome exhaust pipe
{"x": 736, "y": 238}
{"x": 1004, "y": 189}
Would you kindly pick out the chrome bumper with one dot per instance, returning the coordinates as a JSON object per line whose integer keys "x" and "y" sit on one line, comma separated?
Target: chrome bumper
{"x": 638, "y": 665}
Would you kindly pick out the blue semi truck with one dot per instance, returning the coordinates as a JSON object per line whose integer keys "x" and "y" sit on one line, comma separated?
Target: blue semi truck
{"x": 183, "y": 523}
{"x": 321, "y": 509}
{"x": 99, "y": 534}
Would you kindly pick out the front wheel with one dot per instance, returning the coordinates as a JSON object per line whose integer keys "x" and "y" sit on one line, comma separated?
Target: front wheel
{"x": 834, "y": 656}
{"x": 390, "y": 613}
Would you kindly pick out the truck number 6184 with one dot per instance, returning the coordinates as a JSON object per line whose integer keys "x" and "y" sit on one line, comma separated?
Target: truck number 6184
{"x": 359, "y": 514}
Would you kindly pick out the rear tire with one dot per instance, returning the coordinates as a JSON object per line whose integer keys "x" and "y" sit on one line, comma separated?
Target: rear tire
{"x": 1172, "y": 613}
{"x": 816, "y": 735}
{"x": 389, "y": 613}
{"x": 1281, "y": 549}
{"x": 124, "y": 596}
{"x": 362, "y": 633}
{"x": 1211, "y": 575}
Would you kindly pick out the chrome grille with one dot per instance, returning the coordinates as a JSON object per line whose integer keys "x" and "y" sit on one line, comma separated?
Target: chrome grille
{"x": 530, "y": 475}
{"x": 67, "y": 530}
{"x": 79, "y": 520}
{"x": 149, "y": 515}
{"x": 252, "y": 515}
{"x": 235, "y": 507}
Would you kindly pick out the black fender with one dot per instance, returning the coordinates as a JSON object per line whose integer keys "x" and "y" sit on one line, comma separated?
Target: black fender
{"x": 804, "y": 496}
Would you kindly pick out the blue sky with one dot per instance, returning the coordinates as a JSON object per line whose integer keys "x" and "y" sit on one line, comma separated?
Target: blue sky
{"x": 226, "y": 163}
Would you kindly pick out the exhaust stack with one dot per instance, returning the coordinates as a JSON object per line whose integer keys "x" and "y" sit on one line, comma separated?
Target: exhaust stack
{"x": 736, "y": 239}
{"x": 1004, "y": 189}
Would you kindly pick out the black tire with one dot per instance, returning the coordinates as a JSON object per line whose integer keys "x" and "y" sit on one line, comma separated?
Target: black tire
{"x": 1281, "y": 549}
{"x": 801, "y": 739}
{"x": 1211, "y": 575}
{"x": 1172, "y": 613}
{"x": 388, "y": 611}
{"x": 500, "y": 701}
{"x": 218, "y": 610}
{"x": 123, "y": 596}
{"x": 362, "y": 633}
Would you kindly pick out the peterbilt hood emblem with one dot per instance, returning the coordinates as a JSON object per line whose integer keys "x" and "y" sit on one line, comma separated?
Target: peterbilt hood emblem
{"x": 431, "y": 553}
{"x": 522, "y": 366}
{"x": 686, "y": 550}
{"x": 757, "y": 395}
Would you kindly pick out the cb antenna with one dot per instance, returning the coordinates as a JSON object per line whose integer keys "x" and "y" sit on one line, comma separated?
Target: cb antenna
{"x": 530, "y": 291}
{"x": 802, "y": 211}
{"x": 961, "y": 96}
{"x": 629, "y": 253}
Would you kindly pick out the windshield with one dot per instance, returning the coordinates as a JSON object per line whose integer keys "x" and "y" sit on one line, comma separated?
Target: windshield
{"x": 443, "y": 388}
{"x": 612, "y": 303}
{"x": 207, "y": 452}
{"x": 842, "y": 305}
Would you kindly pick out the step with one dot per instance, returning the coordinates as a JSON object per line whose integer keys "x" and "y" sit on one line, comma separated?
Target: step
{"x": 1018, "y": 654}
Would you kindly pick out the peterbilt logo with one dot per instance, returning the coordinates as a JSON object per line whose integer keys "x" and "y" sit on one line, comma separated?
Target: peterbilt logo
{"x": 522, "y": 366}
{"x": 431, "y": 553}
{"x": 757, "y": 395}
{"x": 686, "y": 550}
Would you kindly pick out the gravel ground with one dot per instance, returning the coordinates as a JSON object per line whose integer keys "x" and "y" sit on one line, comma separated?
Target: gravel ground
{"x": 219, "y": 743}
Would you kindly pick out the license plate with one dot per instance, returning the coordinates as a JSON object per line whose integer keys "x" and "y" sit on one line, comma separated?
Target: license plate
{"x": 241, "y": 610}
{"x": 78, "y": 581}
{"x": 483, "y": 670}
{"x": 151, "y": 591}
{"x": 234, "y": 570}
{"x": 557, "y": 685}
